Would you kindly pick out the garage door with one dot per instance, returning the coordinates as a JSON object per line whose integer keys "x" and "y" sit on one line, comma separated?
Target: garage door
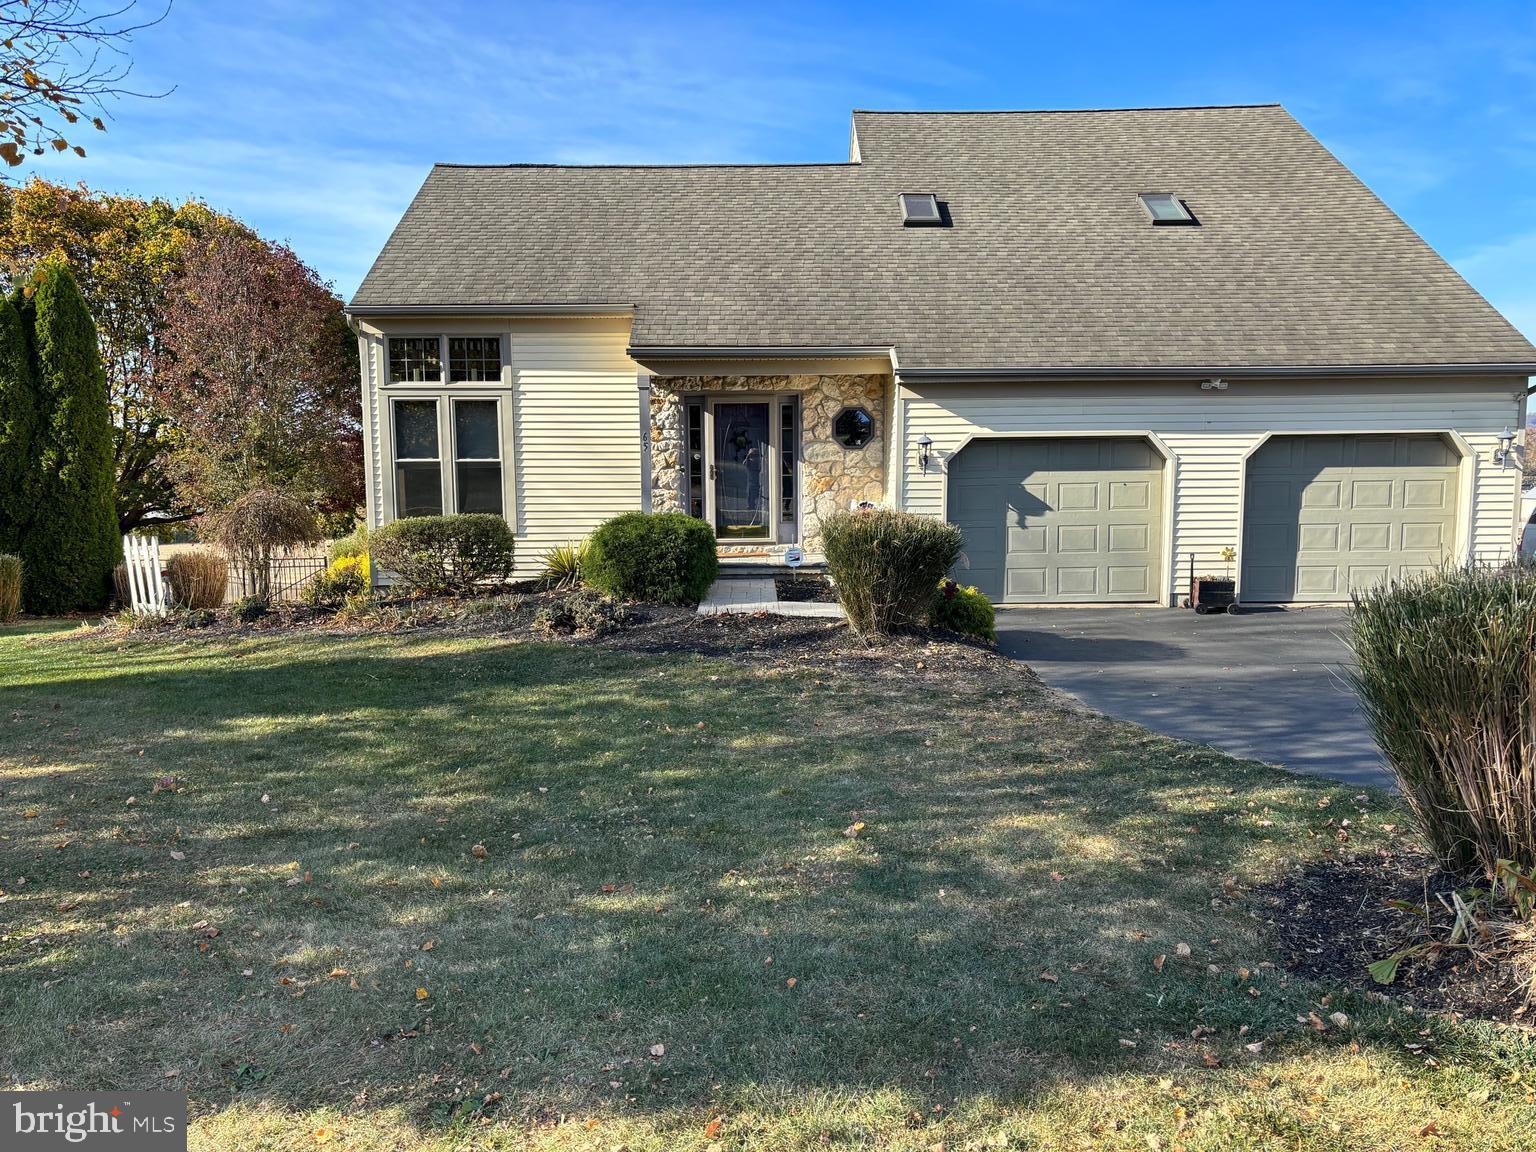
{"x": 1060, "y": 521}
{"x": 1325, "y": 516}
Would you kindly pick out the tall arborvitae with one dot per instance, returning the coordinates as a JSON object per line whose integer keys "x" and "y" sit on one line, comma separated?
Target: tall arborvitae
{"x": 71, "y": 544}
{"x": 18, "y": 428}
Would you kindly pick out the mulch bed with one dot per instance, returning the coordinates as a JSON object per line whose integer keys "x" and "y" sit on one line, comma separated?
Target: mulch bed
{"x": 804, "y": 589}
{"x": 1331, "y": 918}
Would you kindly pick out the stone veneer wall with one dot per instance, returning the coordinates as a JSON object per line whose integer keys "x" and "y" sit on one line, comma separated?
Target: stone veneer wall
{"x": 831, "y": 477}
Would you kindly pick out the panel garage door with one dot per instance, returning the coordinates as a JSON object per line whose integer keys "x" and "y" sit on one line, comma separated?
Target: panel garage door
{"x": 1060, "y": 521}
{"x": 1328, "y": 515}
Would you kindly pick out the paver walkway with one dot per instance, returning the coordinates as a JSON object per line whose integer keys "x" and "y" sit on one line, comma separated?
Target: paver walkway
{"x": 750, "y": 594}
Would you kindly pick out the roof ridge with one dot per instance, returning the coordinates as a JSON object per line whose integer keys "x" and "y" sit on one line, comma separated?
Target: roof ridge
{"x": 1059, "y": 111}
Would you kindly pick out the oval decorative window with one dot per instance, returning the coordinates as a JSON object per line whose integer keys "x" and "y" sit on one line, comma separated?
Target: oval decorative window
{"x": 853, "y": 428}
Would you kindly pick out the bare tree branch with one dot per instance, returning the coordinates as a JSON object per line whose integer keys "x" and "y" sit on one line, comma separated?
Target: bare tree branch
{"x": 62, "y": 62}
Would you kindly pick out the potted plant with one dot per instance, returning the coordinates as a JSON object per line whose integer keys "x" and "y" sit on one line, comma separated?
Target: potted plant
{"x": 1214, "y": 593}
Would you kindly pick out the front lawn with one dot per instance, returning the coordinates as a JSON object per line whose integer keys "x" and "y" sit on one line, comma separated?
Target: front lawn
{"x": 435, "y": 890}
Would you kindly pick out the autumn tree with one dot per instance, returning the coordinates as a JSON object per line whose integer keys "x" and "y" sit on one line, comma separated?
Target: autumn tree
{"x": 126, "y": 253}
{"x": 258, "y": 379}
{"x": 61, "y": 63}
{"x": 70, "y": 543}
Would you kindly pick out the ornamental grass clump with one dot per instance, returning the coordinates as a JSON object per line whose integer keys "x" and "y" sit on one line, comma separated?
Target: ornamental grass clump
{"x": 10, "y": 588}
{"x": 198, "y": 578}
{"x": 886, "y": 565}
{"x": 1447, "y": 680}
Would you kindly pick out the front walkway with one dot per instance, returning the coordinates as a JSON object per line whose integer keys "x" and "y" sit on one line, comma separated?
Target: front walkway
{"x": 751, "y": 594}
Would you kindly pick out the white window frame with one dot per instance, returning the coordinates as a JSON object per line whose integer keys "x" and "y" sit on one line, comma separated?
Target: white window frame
{"x": 455, "y": 399}
{"x": 447, "y": 461}
{"x": 445, "y": 369}
{"x": 395, "y": 460}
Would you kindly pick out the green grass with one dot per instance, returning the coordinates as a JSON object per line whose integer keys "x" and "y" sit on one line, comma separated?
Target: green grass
{"x": 666, "y": 851}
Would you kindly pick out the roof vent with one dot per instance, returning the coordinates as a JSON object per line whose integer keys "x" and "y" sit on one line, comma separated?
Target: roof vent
{"x": 1166, "y": 208}
{"x": 920, "y": 210}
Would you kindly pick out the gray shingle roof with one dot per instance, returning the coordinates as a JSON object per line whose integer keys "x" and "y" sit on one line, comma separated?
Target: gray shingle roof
{"x": 1050, "y": 260}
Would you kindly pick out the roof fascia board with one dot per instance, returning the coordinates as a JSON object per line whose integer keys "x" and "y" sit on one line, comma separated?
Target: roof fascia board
{"x": 1196, "y": 372}
{"x": 383, "y": 310}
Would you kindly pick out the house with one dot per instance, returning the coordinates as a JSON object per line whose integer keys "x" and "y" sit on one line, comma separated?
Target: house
{"x": 1101, "y": 342}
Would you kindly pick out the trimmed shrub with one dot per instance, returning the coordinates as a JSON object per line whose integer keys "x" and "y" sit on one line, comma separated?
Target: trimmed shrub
{"x": 964, "y": 610}
{"x": 344, "y": 579}
{"x": 71, "y": 542}
{"x": 354, "y": 543}
{"x": 198, "y": 578}
{"x": 562, "y": 565}
{"x": 456, "y": 555}
{"x": 1447, "y": 680}
{"x": 256, "y": 526}
{"x": 10, "y": 587}
{"x": 661, "y": 557}
{"x": 885, "y": 565}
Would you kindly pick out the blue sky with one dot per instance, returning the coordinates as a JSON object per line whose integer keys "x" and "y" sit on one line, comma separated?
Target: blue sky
{"x": 317, "y": 121}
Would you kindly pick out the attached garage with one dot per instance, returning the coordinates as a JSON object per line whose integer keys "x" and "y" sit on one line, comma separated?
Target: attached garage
{"x": 1324, "y": 516}
{"x": 1068, "y": 521}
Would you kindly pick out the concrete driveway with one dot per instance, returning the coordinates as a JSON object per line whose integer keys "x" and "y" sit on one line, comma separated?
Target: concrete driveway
{"x": 1268, "y": 684}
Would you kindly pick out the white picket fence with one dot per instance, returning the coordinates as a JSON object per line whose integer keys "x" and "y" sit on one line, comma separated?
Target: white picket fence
{"x": 146, "y": 589}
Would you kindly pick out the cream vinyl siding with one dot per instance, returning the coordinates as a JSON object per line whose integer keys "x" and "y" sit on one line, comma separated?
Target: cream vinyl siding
{"x": 571, "y": 426}
{"x": 1211, "y": 434}
{"x": 576, "y": 415}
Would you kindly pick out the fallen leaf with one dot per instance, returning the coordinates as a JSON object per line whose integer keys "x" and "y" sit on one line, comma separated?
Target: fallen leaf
{"x": 1317, "y": 1022}
{"x": 1256, "y": 1047}
{"x": 1049, "y": 977}
{"x": 791, "y": 982}
{"x": 1057, "y": 876}
{"x": 338, "y": 973}
{"x": 29, "y": 814}
{"x": 1159, "y": 961}
{"x": 712, "y": 1129}
{"x": 1339, "y": 1020}
{"x": 1124, "y": 1043}
{"x": 658, "y": 1050}
{"x": 854, "y": 829}
{"x": 1182, "y": 951}
{"x": 178, "y": 855}
{"x": 421, "y": 993}
{"x": 479, "y": 852}
{"x": 428, "y": 945}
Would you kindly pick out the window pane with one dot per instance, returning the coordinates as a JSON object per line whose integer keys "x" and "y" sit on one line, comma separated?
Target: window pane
{"x": 696, "y": 460}
{"x": 415, "y": 360}
{"x": 474, "y": 358}
{"x": 418, "y": 490}
{"x": 480, "y": 488}
{"x": 474, "y": 430}
{"x": 415, "y": 429}
{"x": 788, "y": 449}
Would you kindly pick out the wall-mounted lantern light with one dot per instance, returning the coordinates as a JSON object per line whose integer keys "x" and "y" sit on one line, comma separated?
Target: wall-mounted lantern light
{"x": 1506, "y": 445}
{"x": 924, "y": 451}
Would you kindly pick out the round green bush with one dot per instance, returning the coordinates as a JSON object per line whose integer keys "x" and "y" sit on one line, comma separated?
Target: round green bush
{"x": 886, "y": 564}
{"x": 965, "y": 610}
{"x": 445, "y": 555}
{"x": 663, "y": 557}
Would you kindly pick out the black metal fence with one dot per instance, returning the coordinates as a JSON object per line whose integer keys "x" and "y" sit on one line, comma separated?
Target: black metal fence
{"x": 287, "y": 577}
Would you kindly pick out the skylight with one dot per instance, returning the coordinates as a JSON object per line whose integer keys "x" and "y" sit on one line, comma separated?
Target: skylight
{"x": 920, "y": 209}
{"x": 1166, "y": 208}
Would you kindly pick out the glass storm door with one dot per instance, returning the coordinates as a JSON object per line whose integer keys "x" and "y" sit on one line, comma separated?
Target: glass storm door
{"x": 743, "y": 470}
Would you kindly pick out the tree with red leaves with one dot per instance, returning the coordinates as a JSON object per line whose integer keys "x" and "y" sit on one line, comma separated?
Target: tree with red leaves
{"x": 258, "y": 378}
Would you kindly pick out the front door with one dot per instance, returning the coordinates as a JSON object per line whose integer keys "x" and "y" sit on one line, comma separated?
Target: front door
{"x": 743, "y": 470}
